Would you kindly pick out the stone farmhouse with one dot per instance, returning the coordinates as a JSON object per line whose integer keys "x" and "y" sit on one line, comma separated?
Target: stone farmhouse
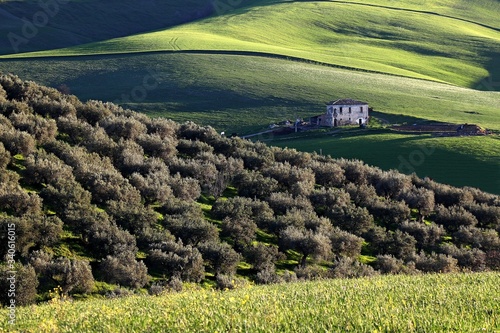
{"x": 342, "y": 112}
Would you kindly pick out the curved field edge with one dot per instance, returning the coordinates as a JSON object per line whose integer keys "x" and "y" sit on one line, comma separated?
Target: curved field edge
{"x": 437, "y": 303}
{"x": 460, "y": 161}
{"x": 242, "y": 93}
{"x": 345, "y": 34}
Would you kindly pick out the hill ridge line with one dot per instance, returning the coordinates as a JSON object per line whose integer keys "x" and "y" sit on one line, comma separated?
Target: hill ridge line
{"x": 405, "y": 10}
{"x": 226, "y": 52}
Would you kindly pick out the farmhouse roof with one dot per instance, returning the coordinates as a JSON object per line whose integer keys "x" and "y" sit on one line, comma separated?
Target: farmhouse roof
{"x": 346, "y": 101}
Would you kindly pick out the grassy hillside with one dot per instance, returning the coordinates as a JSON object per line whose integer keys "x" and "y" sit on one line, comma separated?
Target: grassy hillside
{"x": 470, "y": 161}
{"x": 431, "y": 303}
{"x": 99, "y": 197}
{"x": 242, "y": 93}
{"x": 78, "y": 22}
{"x": 354, "y": 35}
{"x": 233, "y": 70}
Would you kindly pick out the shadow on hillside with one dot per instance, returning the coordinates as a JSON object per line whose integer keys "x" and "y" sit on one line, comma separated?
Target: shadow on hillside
{"x": 80, "y": 22}
{"x": 492, "y": 81}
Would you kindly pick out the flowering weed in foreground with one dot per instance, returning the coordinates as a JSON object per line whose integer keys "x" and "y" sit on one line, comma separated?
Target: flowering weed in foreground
{"x": 427, "y": 303}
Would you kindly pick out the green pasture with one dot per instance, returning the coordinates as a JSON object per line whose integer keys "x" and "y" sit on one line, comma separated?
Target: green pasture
{"x": 254, "y": 64}
{"x": 427, "y": 303}
{"x": 352, "y": 35}
{"x": 459, "y": 161}
{"x": 236, "y": 93}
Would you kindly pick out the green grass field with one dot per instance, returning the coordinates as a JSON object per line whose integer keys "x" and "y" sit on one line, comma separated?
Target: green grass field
{"x": 235, "y": 92}
{"x": 354, "y": 35}
{"x": 461, "y": 161}
{"x": 428, "y": 303}
{"x": 252, "y": 66}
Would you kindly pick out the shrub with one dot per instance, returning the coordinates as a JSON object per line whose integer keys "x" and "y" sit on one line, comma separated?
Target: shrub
{"x": 73, "y": 276}
{"x": 362, "y": 195}
{"x": 325, "y": 199}
{"x": 435, "y": 263}
{"x": 311, "y": 272}
{"x": 176, "y": 260}
{"x": 241, "y": 230}
{"x": 241, "y": 207}
{"x": 356, "y": 220}
{"x": 187, "y": 189}
{"x": 292, "y": 156}
{"x": 327, "y": 174}
{"x": 4, "y": 157}
{"x": 487, "y": 216}
{"x": 154, "y": 186}
{"x": 263, "y": 256}
{"x": 485, "y": 239}
{"x": 46, "y": 168}
{"x": 420, "y": 198}
{"x": 156, "y": 145}
{"x": 493, "y": 259}
{"x": 122, "y": 127}
{"x": 25, "y": 285}
{"x": 401, "y": 244}
{"x": 41, "y": 129}
{"x": 54, "y": 109}
{"x": 298, "y": 181}
{"x": 94, "y": 111}
{"x": 306, "y": 242}
{"x": 221, "y": 257}
{"x": 268, "y": 275}
{"x": 345, "y": 244}
{"x": 350, "y": 268}
{"x": 388, "y": 264}
{"x": 253, "y": 184}
{"x": 428, "y": 236}
{"x": 16, "y": 141}
{"x": 389, "y": 213}
{"x": 471, "y": 259}
{"x": 224, "y": 282}
{"x": 192, "y": 230}
{"x": 124, "y": 270}
{"x": 392, "y": 183}
{"x": 454, "y": 217}
{"x": 134, "y": 218}
{"x": 355, "y": 171}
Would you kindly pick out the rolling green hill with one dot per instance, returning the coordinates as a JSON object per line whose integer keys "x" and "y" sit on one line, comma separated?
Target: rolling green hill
{"x": 353, "y": 35}
{"x": 73, "y": 22}
{"x": 259, "y": 62}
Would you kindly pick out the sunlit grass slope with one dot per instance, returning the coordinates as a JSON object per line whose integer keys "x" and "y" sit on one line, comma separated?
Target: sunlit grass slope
{"x": 74, "y": 22}
{"x": 244, "y": 93}
{"x": 430, "y": 303}
{"x": 354, "y": 35}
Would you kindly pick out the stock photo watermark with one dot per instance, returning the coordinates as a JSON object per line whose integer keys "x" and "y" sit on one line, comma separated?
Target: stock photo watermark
{"x": 31, "y": 27}
{"x": 11, "y": 273}
{"x": 224, "y": 6}
{"x": 489, "y": 83}
{"x": 416, "y": 158}
{"x": 139, "y": 93}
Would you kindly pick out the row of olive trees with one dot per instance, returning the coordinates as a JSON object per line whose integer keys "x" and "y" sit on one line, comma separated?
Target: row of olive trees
{"x": 123, "y": 182}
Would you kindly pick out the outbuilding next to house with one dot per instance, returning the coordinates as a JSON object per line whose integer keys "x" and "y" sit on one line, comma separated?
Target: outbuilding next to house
{"x": 342, "y": 112}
